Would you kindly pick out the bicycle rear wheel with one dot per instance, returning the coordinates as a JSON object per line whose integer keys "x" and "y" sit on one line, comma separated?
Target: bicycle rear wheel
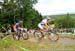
{"x": 16, "y": 36}
{"x": 38, "y": 34}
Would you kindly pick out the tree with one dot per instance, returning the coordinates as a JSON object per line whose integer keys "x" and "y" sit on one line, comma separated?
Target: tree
{"x": 65, "y": 22}
{"x": 16, "y": 10}
{"x": 30, "y": 15}
{"x": 32, "y": 18}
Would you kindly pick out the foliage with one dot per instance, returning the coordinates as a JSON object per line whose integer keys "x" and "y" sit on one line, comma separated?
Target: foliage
{"x": 20, "y": 10}
{"x": 65, "y": 22}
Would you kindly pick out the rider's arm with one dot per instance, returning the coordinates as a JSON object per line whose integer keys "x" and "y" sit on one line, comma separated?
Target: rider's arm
{"x": 47, "y": 26}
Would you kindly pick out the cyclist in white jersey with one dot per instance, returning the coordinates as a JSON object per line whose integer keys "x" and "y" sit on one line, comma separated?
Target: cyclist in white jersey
{"x": 43, "y": 24}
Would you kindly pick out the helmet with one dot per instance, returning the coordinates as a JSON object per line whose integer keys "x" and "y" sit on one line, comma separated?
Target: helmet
{"x": 48, "y": 18}
{"x": 21, "y": 21}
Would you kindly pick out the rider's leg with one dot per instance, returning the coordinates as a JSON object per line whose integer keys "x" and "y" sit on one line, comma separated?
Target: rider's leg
{"x": 15, "y": 29}
{"x": 41, "y": 29}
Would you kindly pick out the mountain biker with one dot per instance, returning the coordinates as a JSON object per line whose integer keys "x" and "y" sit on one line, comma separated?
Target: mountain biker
{"x": 17, "y": 26}
{"x": 43, "y": 25}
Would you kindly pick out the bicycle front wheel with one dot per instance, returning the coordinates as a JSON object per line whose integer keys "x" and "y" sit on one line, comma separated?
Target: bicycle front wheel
{"x": 53, "y": 36}
{"x": 25, "y": 35}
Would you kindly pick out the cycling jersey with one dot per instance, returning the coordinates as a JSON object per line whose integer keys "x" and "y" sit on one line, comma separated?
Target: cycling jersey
{"x": 42, "y": 23}
{"x": 17, "y": 24}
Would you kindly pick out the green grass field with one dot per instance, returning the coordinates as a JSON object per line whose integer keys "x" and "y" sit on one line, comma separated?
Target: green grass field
{"x": 67, "y": 35}
{"x": 8, "y": 44}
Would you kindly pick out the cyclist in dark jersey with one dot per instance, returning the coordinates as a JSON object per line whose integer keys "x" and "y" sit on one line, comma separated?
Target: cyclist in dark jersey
{"x": 17, "y": 25}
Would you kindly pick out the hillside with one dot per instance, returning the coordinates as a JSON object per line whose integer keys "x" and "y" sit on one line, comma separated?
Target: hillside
{"x": 62, "y": 15}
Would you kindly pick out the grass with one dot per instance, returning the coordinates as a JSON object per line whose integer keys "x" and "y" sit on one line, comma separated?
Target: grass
{"x": 8, "y": 44}
{"x": 67, "y": 35}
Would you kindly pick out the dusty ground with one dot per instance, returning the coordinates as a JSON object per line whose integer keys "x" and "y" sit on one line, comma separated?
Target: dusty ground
{"x": 65, "y": 41}
{"x": 32, "y": 44}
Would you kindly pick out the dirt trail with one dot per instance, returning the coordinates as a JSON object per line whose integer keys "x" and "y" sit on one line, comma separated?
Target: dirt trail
{"x": 65, "y": 41}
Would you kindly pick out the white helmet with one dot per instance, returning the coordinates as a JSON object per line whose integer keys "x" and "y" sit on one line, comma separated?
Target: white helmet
{"x": 48, "y": 18}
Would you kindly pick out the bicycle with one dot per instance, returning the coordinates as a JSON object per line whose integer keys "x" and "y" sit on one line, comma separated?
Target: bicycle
{"x": 21, "y": 33}
{"x": 52, "y": 35}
